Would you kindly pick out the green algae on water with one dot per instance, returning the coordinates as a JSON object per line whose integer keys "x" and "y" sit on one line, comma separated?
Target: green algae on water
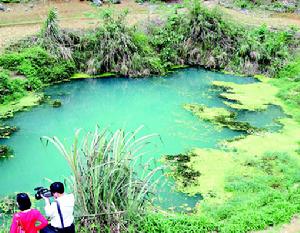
{"x": 251, "y": 97}
{"x": 88, "y": 76}
{"x": 220, "y": 117}
{"x": 31, "y": 99}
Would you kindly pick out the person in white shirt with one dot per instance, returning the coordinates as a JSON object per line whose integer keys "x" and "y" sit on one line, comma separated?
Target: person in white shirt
{"x": 64, "y": 223}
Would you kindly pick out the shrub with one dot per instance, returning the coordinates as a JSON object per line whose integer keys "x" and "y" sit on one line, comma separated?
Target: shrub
{"x": 10, "y": 89}
{"x": 114, "y": 47}
{"x": 38, "y": 66}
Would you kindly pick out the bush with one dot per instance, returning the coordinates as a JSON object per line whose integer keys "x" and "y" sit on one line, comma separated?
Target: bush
{"x": 114, "y": 47}
{"x": 38, "y": 66}
{"x": 10, "y": 90}
{"x": 289, "y": 81}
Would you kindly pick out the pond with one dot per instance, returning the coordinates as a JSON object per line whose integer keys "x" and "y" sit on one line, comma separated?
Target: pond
{"x": 155, "y": 102}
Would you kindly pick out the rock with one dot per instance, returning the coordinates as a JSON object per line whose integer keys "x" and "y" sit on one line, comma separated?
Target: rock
{"x": 6, "y": 131}
{"x": 2, "y": 7}
{"x": 56, "y": 103}
{"x": 98, "y": 2}
{"x": 5, "y": 151}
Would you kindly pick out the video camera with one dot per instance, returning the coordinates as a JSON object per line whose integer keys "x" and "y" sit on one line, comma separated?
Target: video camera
{"x": 41, "y": 191}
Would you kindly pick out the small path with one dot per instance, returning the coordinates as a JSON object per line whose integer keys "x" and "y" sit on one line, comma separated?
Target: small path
{"x": 292, "y": 227}
{"x": 276, "y": 20}
{"x": 26, "y": 19}
{"x": 258, "y": 17}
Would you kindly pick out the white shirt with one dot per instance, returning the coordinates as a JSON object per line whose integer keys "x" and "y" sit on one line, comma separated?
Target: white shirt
{"x": 66, "y": 203}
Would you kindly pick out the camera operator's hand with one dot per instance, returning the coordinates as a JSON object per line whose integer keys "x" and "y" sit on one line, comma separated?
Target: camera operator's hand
{"x": 47, "y": 201}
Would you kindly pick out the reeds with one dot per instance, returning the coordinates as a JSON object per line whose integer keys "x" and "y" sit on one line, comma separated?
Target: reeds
{"x": 108, "y": 189}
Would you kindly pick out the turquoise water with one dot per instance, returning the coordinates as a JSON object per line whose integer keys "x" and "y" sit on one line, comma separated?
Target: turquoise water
{"x": 114, "y": 103}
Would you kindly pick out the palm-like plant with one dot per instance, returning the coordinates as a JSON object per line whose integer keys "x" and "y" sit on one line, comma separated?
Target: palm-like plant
{"x": 56, "y": 41}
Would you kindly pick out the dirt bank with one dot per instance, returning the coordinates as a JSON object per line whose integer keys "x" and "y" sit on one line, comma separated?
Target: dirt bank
{"x": 25, "y": 19}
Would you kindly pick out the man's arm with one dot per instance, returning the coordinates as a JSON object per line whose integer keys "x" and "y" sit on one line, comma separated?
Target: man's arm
{"x": 49, "y": 209}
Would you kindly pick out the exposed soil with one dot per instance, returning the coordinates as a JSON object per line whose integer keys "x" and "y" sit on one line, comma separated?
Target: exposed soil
{"x": 25, "y": 19}
{"x": 292, "y": 227}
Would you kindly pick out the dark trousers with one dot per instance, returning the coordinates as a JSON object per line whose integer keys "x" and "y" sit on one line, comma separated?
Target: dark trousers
{"x": 70, "y": 229}
{"x": 49, "y": 228}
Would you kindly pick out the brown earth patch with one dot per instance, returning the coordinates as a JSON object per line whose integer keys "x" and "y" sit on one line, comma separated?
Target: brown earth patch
{"x": 292, "y": 227}
{"x": 25, "y": 19}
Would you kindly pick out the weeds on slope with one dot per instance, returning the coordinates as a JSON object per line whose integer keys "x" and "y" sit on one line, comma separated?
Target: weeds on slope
{"x": 202, "y": 37}
{"x": 115, "y": 47}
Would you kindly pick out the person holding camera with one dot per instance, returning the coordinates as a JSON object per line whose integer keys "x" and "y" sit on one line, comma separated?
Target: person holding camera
{"x": 27, "y": 220}
{"x": 61, "y": 210}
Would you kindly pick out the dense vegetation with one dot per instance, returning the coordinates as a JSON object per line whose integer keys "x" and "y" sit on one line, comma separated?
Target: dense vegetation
{"x": 198, "y": 37}
{"x": 289, "y": 81}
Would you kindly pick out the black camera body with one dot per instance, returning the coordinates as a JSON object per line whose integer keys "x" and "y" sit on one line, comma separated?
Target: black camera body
{"x": 42, "y": 191}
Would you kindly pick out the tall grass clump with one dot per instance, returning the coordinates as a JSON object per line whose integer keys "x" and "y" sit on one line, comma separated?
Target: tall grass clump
{"x": 109, "y": 192}
{"x": 60, "y": 43}
{"x": 115, "y": 47}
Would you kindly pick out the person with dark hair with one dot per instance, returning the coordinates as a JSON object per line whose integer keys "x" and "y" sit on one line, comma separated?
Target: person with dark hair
{"x": 29, "y": 220}
{"x": 61, "y": 210}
